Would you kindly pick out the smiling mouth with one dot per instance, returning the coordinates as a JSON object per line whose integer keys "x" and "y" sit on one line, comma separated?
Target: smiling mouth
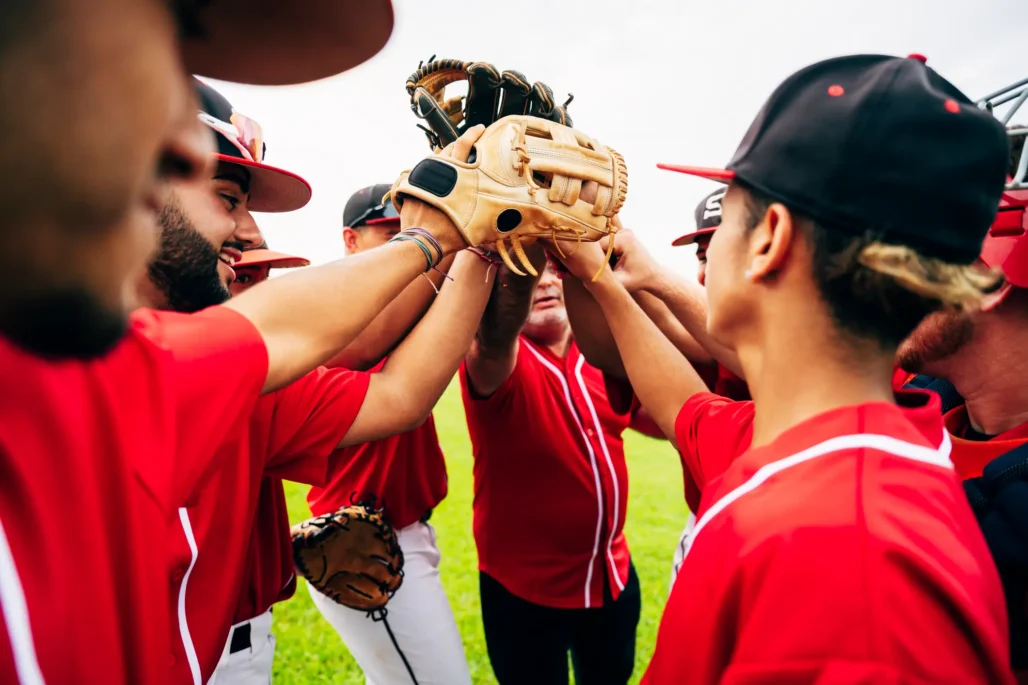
{"x": 229, "y": 256}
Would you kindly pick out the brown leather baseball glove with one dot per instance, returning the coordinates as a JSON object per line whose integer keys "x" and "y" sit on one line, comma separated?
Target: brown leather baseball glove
{"x": 523, "y": 181}
{"x": 351, "y": 556}
{"x": 491, "y": 95}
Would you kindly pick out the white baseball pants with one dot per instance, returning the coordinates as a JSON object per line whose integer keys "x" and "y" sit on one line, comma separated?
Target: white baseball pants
{"x": 676, "y": 564}
{"x": 249, "y": 666}
{"x": 424, "y": 642}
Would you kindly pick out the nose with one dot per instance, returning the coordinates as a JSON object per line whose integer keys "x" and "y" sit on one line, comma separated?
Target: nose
{"x": 549, "y": 277}
{"x": 701, "y": 273}
{"x": 247, "y": 232}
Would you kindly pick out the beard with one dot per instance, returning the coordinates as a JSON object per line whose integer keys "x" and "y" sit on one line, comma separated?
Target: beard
{"x": 70, "y": 324}
{"x": 939, "y": 336}
{"x": 185, "y": 269}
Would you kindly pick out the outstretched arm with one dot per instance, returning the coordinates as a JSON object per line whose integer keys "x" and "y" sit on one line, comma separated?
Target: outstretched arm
{"x": 494, "y": 352}
{"x": 401, "y": 396}
{"x": 593, "y": 336}
{"x": 661, "y": 377}
{"x": 394, "y": 322}
{"x": 308, "y": 316}
{"x": 683, "y": 301}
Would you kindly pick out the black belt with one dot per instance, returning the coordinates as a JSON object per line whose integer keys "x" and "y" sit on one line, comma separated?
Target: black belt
{"x": 240, "y": 638}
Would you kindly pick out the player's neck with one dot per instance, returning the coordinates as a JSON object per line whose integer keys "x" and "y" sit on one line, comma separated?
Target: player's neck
{"x": 990, "y": 373}
{"x": 797, "y": 376}
{"x": 557, "y": 340}
{"x": 147, "y": 294}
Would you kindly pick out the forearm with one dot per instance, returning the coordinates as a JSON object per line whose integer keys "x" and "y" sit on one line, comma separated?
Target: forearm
{"x": 506, "y": 312}
{"x": 672, "y": 328}
{"x": 687, "y": 301}
{"x": 589, "y": 326}
{"x": 425, "y": 362}
{"x": 382, "y": 335}
{"x": 307, "y": 316}
{"x": 661, "y": 377}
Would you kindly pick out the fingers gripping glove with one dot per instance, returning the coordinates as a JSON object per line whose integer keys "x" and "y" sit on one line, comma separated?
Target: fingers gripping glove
{"x": 523, "y": 181}
{"x": 352, "y": 556}
{"x": 491, "y": 95}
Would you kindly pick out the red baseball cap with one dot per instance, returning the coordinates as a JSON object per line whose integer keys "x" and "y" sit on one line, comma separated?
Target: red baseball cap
{"x": 241, "y": 141}
{"x": 276, "y": 260}
{"x": 280, "y": 42}
{"x": 1006, "y": 246}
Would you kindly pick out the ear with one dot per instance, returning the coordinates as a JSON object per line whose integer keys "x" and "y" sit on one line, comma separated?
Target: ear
{"x": 770, "y": 241}
{"x": 996, "y": 298}
{"x": 350, "y": 239}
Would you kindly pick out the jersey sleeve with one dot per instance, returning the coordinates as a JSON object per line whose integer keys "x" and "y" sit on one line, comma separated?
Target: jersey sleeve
{"x": 711, "y": 432}
{"x": 217, "y": 365}
{"x": 310, "y": 419}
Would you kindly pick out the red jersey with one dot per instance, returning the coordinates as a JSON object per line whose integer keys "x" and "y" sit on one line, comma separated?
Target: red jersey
{"x": 843, "y": 551}
{"x": 971, "y": 455}
{"x": 94, "y": 456}
{"x": 548, "y": 448}
{"x": 268, "y": 577}
{"x": 405, "y": 474}
{"x": 290, "y": 434}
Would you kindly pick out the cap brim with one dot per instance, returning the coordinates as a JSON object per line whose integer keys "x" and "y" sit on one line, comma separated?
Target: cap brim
{"x": 1006, "y": 246}
{"x": 276, "y": 260}
{"x": 720, "y": 175}
{"x": 382, "y": 220}
{"x": 283, "y": 42}
{"x": 272, "y": 189}
{"x": 690, "y": 238}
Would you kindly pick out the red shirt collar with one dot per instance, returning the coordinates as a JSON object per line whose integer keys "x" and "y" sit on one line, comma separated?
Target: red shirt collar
{"x": 916, "y": 417}
{"x": 971, "y": 456}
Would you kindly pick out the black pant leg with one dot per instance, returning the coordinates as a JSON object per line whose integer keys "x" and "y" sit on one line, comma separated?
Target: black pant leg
{"x": 527, "y": 643}
{"x": 603, "y": 641}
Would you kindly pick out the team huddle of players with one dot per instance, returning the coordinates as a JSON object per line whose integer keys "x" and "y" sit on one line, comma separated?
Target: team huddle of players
{"x": 854, "y": 522}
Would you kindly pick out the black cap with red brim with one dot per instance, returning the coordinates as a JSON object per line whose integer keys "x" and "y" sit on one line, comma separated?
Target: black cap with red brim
{"x": 240, "y": 141}
{"x": 708, "y": 218}
{"x": 880, "y": 145}
{"x": 280, "y": 42}
{"x": 370, "y": 206}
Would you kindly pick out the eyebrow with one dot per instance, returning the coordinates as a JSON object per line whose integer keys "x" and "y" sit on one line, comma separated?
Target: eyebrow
{"x": 241, "y": 178}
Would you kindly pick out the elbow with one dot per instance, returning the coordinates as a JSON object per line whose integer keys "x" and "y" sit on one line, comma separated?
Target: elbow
{"x": 411, "y": 414}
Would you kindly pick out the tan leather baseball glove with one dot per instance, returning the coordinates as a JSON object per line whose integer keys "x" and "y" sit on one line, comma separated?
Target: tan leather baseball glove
{"x": 524, "y": 180}
{"x": 491, "y": 95}
{"x": 352, "y": 556}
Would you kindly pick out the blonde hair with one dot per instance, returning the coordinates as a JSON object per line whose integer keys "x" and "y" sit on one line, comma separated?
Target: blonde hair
{"x": 954, "y": 286}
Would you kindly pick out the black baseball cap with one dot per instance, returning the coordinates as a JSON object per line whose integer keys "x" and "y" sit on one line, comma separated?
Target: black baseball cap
{"x": 280, "y": 42}
{"x": 881, "y": 144}
{"x": 240, "y": 141}
{"x": 708, "y": 218}
{"x": 370, "y": 206}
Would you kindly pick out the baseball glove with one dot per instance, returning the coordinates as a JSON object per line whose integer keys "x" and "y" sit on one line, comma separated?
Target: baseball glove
{"x": 351, "y": 556}
{"x": 524, "y": 181}
{"x": 491, "y": 95}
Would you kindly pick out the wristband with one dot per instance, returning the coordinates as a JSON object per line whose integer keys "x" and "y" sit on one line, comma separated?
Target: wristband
{"x": 428, "y": 236}
{"x": 400, "y": 237}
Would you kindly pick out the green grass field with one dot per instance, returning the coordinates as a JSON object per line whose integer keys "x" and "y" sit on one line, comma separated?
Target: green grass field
{"x": 309, "y": 651}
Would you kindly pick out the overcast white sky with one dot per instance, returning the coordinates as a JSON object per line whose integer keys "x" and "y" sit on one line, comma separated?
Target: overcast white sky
{"x": 658, "y": 80}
